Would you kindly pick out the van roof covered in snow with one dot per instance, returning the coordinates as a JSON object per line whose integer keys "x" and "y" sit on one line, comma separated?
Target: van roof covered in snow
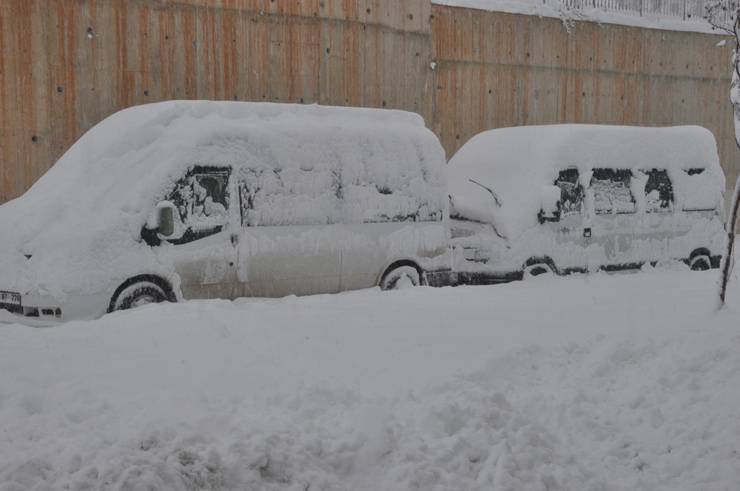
{"x": 515, "y": 163}
{"x": 129, "y": 160}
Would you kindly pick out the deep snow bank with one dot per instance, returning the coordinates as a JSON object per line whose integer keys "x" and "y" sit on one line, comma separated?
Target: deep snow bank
{"x": 598, "y": 382}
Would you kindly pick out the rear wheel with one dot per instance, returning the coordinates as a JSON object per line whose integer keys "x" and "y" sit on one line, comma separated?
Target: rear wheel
{"x": 400, "y": 277}
{"x": 138, "y": 294}
{"x": 700, "y": 263}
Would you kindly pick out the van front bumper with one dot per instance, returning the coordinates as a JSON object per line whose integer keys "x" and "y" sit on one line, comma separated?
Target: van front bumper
{"x": 40, "y": 310}
{"x": 10, "y": 318}
{"x": 37, "y": 310}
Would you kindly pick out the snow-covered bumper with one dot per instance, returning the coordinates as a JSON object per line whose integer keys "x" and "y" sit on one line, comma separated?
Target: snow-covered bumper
{"x": 29, "y": 309}
{"x": 46, "y": 310}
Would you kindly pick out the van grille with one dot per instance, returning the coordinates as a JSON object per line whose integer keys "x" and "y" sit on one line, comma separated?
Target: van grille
{"x": 11, "y": 301}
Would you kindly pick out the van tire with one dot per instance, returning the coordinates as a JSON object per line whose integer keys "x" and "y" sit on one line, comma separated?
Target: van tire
{"x": 537, "y": 270}
{"x": 700, "y": 262}
{"x": 538, "y": 267}
{"x": 399, "y": 277}
{"x": 138, "y": 294}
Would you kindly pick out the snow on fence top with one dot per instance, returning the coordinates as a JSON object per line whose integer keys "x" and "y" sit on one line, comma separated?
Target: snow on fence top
{"x": 518, "y": 163}
{"x": 678, "y": 15}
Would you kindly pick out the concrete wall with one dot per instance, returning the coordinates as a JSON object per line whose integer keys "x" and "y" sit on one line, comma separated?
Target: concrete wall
{"x": 67, "y": 64}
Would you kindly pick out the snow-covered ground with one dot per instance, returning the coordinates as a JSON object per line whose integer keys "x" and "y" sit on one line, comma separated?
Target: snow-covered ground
{"x": 599, "y": 382}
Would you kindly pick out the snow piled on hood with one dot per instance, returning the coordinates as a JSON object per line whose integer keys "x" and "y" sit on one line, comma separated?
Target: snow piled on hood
{"x": 516, "y": 163}
{"x": 97, "y": 197}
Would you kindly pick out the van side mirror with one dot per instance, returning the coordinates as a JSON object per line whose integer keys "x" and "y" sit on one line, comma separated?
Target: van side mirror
{"x": 166, "y": 219}
{"x": 549, "y": 204}
{"x": 163, "y": 223}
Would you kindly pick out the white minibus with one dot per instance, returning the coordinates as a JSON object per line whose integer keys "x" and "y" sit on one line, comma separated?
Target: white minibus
{"x": 574, "y": 198}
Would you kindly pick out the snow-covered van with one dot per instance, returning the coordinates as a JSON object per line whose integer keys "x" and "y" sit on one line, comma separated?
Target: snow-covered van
{"x": 570, "y": 198}
{"x": 182, "y": 200}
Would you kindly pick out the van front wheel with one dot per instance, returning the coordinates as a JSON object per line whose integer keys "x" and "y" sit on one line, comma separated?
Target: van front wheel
{"x": 139, "y": 294}
{"x": 537, "y": 269}
{"x": 400, "y": 277}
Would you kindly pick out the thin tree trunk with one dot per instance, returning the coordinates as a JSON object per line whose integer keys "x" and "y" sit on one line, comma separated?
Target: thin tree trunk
{"x": 727, "y": 259}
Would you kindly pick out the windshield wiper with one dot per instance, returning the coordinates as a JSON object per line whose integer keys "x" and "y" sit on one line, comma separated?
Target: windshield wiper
{"x": 493, "y": 193}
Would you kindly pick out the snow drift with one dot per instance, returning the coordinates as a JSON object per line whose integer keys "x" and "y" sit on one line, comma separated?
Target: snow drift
{"x": 613, "y": 382}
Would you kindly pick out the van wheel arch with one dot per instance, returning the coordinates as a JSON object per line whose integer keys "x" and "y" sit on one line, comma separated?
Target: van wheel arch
{"x": 400, "y": 264}
{"x": 700, "y": 259}
{"x": 144, "y": 278}
{"x": 701, "y": 251}
{"x": 536, "y": 261}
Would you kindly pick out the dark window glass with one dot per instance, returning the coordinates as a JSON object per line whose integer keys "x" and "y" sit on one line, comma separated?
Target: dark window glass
{"x": 612, "y": 194}
{"x": 658, "y": 191}
{"x": 571, "y": 192}
{"x": 202, "y": 200}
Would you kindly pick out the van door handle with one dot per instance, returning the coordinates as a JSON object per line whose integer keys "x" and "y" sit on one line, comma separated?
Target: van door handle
{"x": 587, "y": 232}
{"x": 234, "y": 239}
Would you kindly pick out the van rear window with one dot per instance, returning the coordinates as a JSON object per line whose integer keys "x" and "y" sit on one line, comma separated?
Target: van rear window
{"x": 705, "y": 193}
{"x": 293, "y": 196}
{"x": 612, "y": 194}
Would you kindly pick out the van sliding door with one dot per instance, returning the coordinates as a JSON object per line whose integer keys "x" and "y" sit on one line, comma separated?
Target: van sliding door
{"x": 566, "y": 240}
{"x": 287, "y": 242}
{"x": 614, "y": 219}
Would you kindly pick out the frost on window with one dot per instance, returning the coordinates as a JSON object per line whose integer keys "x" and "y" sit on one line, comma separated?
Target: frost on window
{"x": 325, "y": 195}
{"x": 701, "y": 190}
{"x": 611, "y": 188}
{"x": 571, "y": 192}
{"x": 658, "y": 191}
{"x": 291, "y": 196}
{"x": 391, "y": 186}
{"x": 202, "y": 199}
{"x": 369, "y": 202}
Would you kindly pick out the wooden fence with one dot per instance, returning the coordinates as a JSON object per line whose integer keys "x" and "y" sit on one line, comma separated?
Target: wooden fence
{"x": 67, "y": 64}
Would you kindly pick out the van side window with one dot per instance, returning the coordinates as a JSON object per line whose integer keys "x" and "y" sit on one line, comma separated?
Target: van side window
{"x": 612, "y": 194}
{"x": 571, "y": 192}
{"x": 290, "y": 196}
{"x": 202, "y": 199}
{"x": 658, "y": 191}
